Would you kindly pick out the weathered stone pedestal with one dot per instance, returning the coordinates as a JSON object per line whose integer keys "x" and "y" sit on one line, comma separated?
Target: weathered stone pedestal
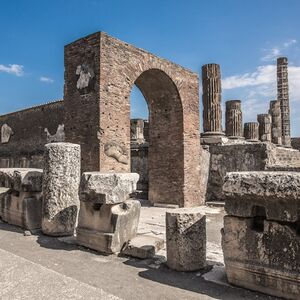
{"x": 186, "y": 239}
{"x": 107, "y": 219}
{"x": 251, "y": 132}
{"x": 234, "y": 119}
{"x": 265, "y": 127}
{"x": 60, "y": 188}
{"x": 20, "y": 197}
{"x": 261, "y": 237}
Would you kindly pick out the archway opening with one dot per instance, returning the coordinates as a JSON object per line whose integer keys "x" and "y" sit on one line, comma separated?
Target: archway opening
{"x": 139, "y": 140}
{"x": 165, "y": 151}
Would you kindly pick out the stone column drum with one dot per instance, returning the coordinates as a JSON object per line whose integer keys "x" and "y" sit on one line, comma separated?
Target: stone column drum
{"x": 186, "y": 239}
{"x": 265, "y": 123}
{"x": 275, "y": 112}
{"x": 234, "y": 119}
{"x": 212, "y": 111}
{"x": 61, "y": 188}
{"x": 137, "y": 131}
{"x": 251, "y": 133}
{"x": 283, "y": 98}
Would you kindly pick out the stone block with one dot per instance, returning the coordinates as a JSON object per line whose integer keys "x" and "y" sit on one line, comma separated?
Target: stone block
{"x": 20, "y": 197}
{"x": 186, "y": 239}
{"x": 262, "y": 256}
{"x": 277, "y": 192}
{"x": 107, "y": 188}
{"x": 61, "y": 188}
{"x": 143, "y": 246}
{"x": 29, "y": 180}
{"x": 107, "y": 227}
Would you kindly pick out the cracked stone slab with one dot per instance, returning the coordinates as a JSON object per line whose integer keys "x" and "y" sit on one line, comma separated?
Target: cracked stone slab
{"x": 107, "y": 188}
{"x": 277, "y": 192}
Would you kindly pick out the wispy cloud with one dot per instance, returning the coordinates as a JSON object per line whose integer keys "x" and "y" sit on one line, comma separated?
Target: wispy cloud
{"x": 46, "y": 79}
{"x": 14, "y": 69}
{"x": 274, "y": 52}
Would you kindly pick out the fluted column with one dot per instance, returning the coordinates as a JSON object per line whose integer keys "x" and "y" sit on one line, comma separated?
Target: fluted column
{"x": 275, "y": 113}
{"x": 212, "y": 112}
{"x": 251, "y": 133}
{"x": 234, "y": 119}
{"x": 265, "y": 123}
{"x": 283, "y": 98}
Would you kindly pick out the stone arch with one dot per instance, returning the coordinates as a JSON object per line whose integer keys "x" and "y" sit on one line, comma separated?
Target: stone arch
{"x": 165, "y": 158}
{"x": 97, "y": 114}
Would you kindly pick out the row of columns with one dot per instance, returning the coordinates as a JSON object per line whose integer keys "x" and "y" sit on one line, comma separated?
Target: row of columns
{"x": 271, "y": 127}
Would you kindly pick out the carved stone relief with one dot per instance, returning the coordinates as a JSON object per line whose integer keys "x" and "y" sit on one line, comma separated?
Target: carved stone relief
{"x": 116, "y": 151}
{"x": 6, "y": 133}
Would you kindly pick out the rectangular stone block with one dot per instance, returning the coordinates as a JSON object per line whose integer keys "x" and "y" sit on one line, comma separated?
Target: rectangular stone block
{"x": 21, "y": 197}
{"x": 277, "y": 193}
{"x": 107, "y": 227}
{"x": 24, "y": 210}
{"x": 186, "y": 239}
{"x": 28, "y": 180}
{"x": 107, "y": 188}
{"x": 143, "y": 246}
{"x": 262, "y": 255}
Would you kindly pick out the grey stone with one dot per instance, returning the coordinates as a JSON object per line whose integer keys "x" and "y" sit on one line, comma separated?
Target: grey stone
{"x": 20, "y": 197}
{"x": 277, "y": 192}
{"x": 21, "y": 209}
{"x": 107, "y": 188}
{"x": 107, "y": 227}
{"x": 186, "y": 239}
{"x": 61, "y": 188}
{"x": 265, "y": 259}
{"x": 29, "y": 180}
{"x": 6, "y": 133}
{"x": 143, "y": 246}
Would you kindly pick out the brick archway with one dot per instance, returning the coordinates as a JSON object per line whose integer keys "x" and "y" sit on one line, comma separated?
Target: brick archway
{"x": 165, "y": 158}
{"x": 99, "y": 74}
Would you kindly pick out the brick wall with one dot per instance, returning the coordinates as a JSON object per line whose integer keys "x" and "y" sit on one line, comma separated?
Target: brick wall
{"x": 26, "y": 144}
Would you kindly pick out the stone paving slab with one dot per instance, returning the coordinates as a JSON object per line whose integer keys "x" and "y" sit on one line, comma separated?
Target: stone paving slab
{"x": 72, "y": 270}
{"x": 23, "y": 279}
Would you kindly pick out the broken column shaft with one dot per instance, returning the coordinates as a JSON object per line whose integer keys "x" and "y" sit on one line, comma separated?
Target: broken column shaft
{"x": 283, "y": 98}
{"x": 275, "y": 112}
{"x": 234, "y": 119}
{"x": 60, "y": 188}
{"x": 251, "y": 131}
{"x": 265, "y": 123}
{"x": 212, "y": 112}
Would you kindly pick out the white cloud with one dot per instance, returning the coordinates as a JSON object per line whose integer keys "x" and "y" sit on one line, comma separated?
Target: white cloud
{"x": 46, "y": 79}
{"x": 262, "y": 75}
{"x": 274, "y": 52}
{"x": 257, "y": 88}
{"x": 13, "y": 69}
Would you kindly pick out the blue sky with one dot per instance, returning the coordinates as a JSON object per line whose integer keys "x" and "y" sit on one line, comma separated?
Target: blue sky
{"x": 244, "y": 37}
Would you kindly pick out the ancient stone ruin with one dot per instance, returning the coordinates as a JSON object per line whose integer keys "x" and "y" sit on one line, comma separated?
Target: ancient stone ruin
{"x": 261, "y": 241}
{"x": 79, "y": 167}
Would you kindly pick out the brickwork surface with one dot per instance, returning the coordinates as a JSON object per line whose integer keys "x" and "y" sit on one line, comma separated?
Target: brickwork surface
{"x": 99, "y": 74}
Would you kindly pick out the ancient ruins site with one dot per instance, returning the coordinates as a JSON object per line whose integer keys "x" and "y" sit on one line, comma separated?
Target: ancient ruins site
{"x": 96, "y": 205}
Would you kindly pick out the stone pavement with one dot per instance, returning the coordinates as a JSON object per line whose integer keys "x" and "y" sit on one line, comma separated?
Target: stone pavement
{"x": 42, "y": 267}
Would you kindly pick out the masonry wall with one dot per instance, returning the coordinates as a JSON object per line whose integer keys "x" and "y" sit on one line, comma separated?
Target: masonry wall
{"x": 26, "y": 143}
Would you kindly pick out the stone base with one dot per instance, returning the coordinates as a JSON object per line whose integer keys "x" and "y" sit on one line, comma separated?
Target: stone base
{"x": 264, "y": 280}
{"x": 262, "y": 255}
{"x": 23, "y": 210}
{"x": 143, "y": 246}
{"x": 107, "y": 228}
{"x": 213, "y": 139}
{"x": 186, "y": 239}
